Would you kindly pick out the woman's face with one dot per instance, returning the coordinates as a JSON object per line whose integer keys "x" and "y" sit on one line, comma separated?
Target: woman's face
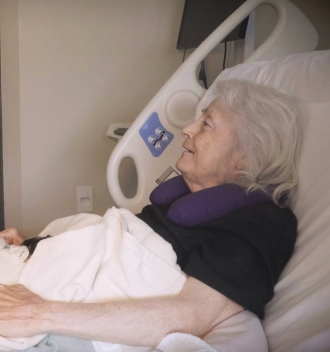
{"x": 210, "y": 158}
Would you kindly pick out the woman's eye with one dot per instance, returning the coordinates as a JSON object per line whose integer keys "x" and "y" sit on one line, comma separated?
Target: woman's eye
{"x": 206, "y": 124}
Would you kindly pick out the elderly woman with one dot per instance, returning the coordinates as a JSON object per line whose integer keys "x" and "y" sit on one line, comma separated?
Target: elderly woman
{"x": 249, "y": 135}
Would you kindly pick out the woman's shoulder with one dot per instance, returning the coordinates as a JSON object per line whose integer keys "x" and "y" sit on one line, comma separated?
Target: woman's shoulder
{"x": 268, "y": 219}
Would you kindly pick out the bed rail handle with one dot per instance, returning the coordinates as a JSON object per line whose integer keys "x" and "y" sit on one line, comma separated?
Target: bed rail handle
{"x": 134, "y": 203}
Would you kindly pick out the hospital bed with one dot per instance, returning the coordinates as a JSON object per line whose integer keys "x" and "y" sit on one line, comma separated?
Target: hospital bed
{"x": 298, "y": 317}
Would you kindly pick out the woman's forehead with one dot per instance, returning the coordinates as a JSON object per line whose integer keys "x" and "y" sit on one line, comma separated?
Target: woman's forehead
{"x": 214, "y": 105}
{"x": 211, "y": 108}
{"x": 216, "y": 110}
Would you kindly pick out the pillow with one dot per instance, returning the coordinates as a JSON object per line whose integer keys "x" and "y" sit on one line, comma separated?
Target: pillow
{"x": 241, "y": 332}
{"x": 169, "y": 191}
{"x": 304, "y": 75}
{"x": 297, "y": 319}
{"x": 180, "y": 342}
{"x": 210, "y": 204}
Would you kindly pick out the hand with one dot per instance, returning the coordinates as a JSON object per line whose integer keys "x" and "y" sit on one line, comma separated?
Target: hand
{"x": 12, "y": 236}
{"x": 19, "y": 311}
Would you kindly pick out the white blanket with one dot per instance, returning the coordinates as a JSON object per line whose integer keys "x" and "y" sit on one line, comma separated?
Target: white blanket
{"x": 96, "y": 258}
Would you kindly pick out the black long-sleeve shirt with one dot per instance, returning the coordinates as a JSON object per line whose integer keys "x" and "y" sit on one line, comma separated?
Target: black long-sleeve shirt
{"x": 240, "y": 255}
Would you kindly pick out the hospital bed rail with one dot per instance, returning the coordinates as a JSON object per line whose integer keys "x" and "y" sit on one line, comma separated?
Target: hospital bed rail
{"x": 154, "y": 139}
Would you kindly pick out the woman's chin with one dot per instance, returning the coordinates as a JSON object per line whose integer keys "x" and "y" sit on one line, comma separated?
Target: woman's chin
{"x": 181, "y": 164}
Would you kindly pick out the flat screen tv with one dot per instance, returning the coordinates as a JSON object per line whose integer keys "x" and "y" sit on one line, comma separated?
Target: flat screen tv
{"x": 201, "y": 17}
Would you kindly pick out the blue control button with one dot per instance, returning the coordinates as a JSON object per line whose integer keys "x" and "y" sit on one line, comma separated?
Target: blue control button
{"x": 155, "y": 136}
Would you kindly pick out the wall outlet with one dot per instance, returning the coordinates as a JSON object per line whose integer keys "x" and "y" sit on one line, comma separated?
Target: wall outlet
{"x": 84, "y": 199}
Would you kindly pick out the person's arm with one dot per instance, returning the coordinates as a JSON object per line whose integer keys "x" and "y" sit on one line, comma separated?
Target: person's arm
{"x": 143, "y": 322}
{"x": 12, "y": 236}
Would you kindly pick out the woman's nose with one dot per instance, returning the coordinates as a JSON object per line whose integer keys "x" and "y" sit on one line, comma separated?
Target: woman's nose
{"x": 190, "y": 130}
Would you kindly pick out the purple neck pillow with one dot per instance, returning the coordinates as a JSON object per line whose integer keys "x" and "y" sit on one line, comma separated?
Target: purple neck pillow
{"x": 210, "y": 204}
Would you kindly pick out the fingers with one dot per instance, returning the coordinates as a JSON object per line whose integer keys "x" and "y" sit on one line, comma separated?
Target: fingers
{"x": 19, "y": 239}
{"x": 19, "y": 312}
{"x": 17, "y": 295}
{"x": 11, "y": 295}
{"x": 12, "y": 236}
{"x": 8, "y": 235}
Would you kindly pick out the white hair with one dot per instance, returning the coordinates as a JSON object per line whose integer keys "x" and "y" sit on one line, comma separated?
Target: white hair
{"x": 268, "y": 133}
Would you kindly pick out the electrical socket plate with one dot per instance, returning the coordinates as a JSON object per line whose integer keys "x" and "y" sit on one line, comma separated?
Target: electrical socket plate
{"x": 84, "y": 199}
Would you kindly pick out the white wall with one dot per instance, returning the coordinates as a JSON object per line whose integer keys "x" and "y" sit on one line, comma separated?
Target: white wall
{"x": 317, "y": 11}
{"x": 69, "y": 68}
{"x": 77, "y": 65}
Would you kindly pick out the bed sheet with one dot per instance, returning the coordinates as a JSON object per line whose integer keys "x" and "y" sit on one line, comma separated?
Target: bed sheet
{"x": 245, "y": 328}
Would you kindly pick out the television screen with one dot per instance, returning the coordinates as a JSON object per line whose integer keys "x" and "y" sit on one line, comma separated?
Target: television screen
{"x": 201, "y": 17}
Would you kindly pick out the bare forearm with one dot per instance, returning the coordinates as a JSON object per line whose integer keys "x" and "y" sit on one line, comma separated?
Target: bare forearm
{"x": 137, "y": 323}
{"x": 132, "y": 322}
{"x": 143, "y": 322}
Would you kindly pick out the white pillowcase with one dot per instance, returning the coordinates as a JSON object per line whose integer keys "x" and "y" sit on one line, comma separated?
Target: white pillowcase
{"x": 298, "y": 318}
{"x": 180, "y": 342}
{"x": 303, "y": 75}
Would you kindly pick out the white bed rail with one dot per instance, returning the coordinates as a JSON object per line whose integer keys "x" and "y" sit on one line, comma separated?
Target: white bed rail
{"x": 174, "y": 105}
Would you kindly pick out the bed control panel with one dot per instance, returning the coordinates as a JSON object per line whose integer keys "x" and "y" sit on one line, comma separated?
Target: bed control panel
{"x": 155, "y": 136}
